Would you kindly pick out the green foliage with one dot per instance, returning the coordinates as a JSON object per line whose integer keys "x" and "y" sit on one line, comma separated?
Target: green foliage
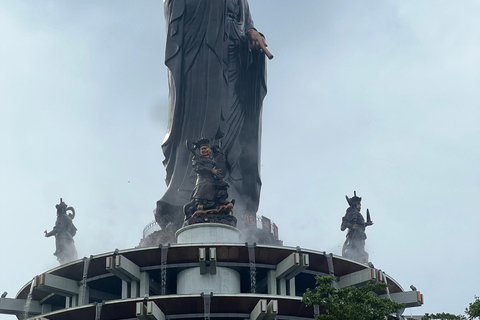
{"x": 352, "y": 303}
{"x": 443, "y": 316}
{"x": 473, "y": 310}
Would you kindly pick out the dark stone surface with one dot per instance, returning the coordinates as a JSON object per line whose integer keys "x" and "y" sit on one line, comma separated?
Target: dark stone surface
{"x": 217, "y": 86}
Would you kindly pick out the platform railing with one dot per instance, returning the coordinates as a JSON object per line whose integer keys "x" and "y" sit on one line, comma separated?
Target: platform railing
{"x": 261, "y": 222}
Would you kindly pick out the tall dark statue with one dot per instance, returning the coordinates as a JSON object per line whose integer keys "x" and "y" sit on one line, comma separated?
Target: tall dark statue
{"x": 216, "y": 73}
{"x": 64, "y": 231}
{"x": 354, "y": 246}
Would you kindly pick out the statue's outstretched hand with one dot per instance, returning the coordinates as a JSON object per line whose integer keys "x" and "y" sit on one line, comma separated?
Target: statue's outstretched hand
{"x": 369, "y": 223}
{"x": 45, "y": 233}
{"x": 257, "y": 42}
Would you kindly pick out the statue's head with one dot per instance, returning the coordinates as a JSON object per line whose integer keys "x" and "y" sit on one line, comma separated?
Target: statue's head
{"x": 203, "y": 142}
{"x": 61, "y": 207}
{"x": 355, "y": 202}
{"x": 204, "y": 146}
{"x": 358, "y": 206}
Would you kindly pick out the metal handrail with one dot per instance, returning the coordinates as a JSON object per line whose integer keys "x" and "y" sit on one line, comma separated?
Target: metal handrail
{"x": 147, "y": 228}
{"x": 154, "y": 223}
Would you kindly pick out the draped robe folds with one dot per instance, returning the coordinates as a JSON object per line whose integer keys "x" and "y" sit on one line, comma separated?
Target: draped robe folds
{"x": 216, "y": 86}
{"x": 354, "y": 246}
{"x": 64, "y": 231}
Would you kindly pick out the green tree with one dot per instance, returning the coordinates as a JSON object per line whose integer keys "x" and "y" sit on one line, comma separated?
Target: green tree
{"x": 351, "y": 303}
{"x": 443, "y": 316}
{"x": 473, "y": 310}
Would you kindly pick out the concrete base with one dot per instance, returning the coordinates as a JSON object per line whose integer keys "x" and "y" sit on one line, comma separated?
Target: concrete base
{"x": 208, "y": 233}
{"x": 190, "y": 281}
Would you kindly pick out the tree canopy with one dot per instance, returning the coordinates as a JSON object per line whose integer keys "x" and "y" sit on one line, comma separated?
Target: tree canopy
{"x": 473, "y": 310}
{"x": 443, "y": 316}
{"x": 351, "y": 303}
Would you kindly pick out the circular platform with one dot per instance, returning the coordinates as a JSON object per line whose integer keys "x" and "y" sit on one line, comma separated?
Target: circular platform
{"x": 179, "y": 279}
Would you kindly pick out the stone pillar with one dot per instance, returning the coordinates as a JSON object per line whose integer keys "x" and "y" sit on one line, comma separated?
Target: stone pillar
{"x": 193, "y": 280}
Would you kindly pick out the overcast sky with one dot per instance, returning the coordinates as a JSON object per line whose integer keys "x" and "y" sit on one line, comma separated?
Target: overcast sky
{"x": 381, "y": 97}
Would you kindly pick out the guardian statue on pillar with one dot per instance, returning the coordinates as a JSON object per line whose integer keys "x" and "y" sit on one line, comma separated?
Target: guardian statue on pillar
{"x": 64, "y": 231}
{"x": 354, "y": 246}
{"x": 209, "y": 202}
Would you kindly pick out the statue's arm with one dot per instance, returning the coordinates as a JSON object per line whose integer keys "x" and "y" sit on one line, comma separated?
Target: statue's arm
{"x": 348, "y": 223}
{"x": 248, "y": 17}
{"x": 350, "y": 219}
{"x": 256, "y": 40}
{"x": 203, "y": 169}
{"x": 51, "y": 233}
{"x": 173, "y": 10}
{"x": 59, "y": 226}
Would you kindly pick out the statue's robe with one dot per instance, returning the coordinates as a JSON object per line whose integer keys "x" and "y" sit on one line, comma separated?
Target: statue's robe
{"x": 216, "y": 88}
{"x": 354, "y": 246}
{"x": 64, "y": 231}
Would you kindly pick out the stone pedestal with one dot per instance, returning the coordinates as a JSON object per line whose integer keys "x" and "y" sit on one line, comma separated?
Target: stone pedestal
{"x": 208, "y": 233}
{"x": 225, "y": 280}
